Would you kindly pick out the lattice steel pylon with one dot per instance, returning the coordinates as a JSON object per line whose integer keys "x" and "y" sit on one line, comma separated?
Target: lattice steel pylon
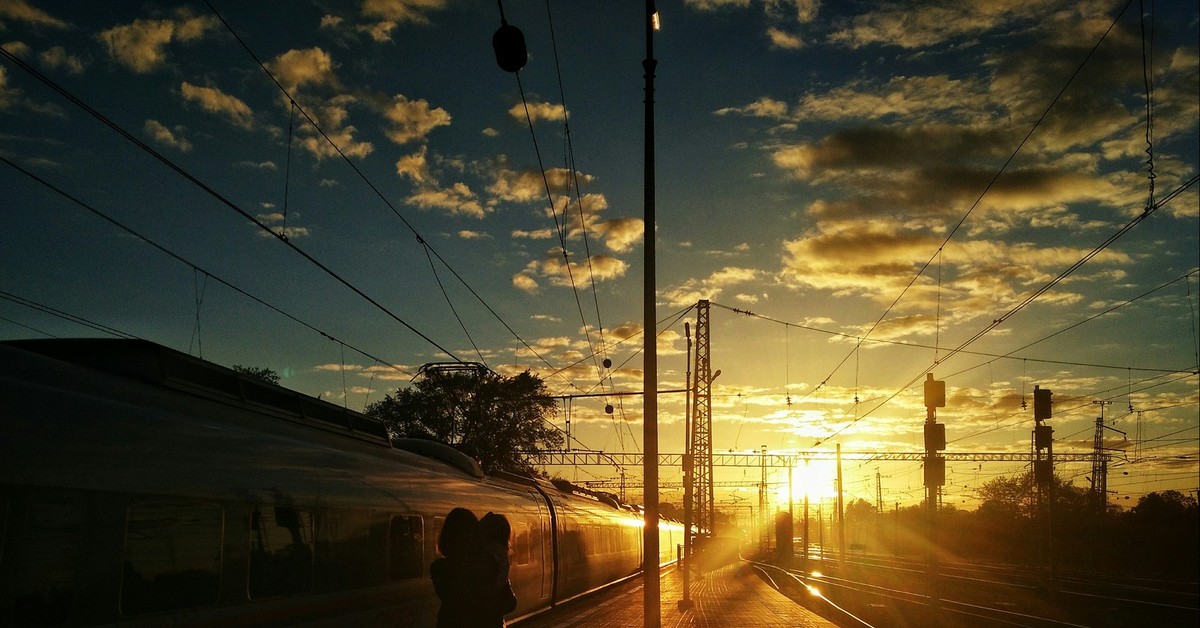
{"x": 700, "y": 440}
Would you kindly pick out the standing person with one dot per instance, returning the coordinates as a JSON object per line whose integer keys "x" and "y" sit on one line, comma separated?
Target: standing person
{"x": 457, "y": 575}
{"x": 494, "y": 535}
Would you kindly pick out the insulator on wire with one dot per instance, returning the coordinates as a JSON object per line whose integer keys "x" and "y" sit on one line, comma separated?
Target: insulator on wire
{"x": 509, "y": 44}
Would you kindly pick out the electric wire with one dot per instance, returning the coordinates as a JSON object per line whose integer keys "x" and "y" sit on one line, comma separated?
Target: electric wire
{"x": 105, "y": 120}
{"x": 195, "y": 267}
{"x": 979, "y": 199}
{"x": 559, "y": 227}
{"x": 1037, "y": 293}
{"x": 573, "y": 181}
{"x": 378, "y": 193}
{"x": 996, "y": 356}
{"x": 53, "y": 311}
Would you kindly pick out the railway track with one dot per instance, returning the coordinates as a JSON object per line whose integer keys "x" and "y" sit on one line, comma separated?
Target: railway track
{"x": 883, "y": 592}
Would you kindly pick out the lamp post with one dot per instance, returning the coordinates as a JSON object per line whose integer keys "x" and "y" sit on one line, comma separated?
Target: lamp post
{"x": 651, "y": 613}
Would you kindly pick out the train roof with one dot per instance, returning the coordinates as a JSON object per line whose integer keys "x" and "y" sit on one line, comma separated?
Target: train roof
{"x": 158, "y": 365}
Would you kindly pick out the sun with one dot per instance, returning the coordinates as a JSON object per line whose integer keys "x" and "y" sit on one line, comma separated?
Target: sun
{"x": 817, "y": 479}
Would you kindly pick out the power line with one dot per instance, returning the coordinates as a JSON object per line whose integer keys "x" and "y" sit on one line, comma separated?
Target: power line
{"x": 366, "y": 180}
{"x": 978, "y": 200}
{"x": 192, "y": 265}
{"x": 74, "y": 318}
{"x": 216, "y": 195}
{"x": 1009, "y": 356}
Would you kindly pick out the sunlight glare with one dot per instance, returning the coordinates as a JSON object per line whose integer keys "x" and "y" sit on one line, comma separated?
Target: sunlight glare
{"x": 817, "y": 479}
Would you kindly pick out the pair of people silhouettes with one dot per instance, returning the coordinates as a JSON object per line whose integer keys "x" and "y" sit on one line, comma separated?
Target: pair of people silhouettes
{"x": 471, "y": 576}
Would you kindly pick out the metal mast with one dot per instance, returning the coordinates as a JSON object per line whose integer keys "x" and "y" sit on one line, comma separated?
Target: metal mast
{"x": 702, "y": 491}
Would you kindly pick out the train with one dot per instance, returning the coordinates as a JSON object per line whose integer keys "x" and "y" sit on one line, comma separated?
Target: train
{"x": 143, "y": 486}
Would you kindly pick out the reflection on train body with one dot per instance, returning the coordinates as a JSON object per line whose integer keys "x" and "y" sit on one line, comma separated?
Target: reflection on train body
{"x": 142, "y": 486}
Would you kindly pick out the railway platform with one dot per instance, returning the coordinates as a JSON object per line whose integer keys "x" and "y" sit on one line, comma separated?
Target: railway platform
{"x": 732, "y": 595}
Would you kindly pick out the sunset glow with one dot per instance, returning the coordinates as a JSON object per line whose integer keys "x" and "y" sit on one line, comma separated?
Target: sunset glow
{"x": 866, "y": 194}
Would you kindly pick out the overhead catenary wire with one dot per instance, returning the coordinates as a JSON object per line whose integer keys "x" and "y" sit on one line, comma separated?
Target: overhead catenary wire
{"x": 74, "y": 318}
{"x": 163, "y": 159}
{"x": 378, "y": 193}
{"x": 560, "y": 227}
{"x": 1037, "y": 293}
{"x": 987, "y": 188}
{"x": 195, "y": 267}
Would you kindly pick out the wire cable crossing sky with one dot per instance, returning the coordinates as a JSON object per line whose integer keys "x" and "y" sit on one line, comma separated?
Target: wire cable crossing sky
{"x": 1002, "y": 195}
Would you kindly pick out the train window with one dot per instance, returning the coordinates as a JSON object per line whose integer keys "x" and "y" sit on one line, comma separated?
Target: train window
{"x": 407, "y": 547}
{"x": 172, "y": 556}
{"x": 351, "y": 549}
{"x": 44, "y": 553}
{"x": 523, "y": 543}
{"x": 281, "y": 555}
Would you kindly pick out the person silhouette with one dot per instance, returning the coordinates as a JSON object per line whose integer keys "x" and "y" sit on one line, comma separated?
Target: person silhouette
{"x": 457, "y": 577}
{"x": 494, "y": 535}
{"x": 468, "y": 577}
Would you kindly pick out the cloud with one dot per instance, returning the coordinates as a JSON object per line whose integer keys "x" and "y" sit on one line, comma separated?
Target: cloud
{"x": 765, "y": 107}
{"x": 457, "y": 200}
{"x": 620, "y": 234}
{"x": 414, "y": 11}
{"x": 784, "y": 40}
{"x": 710, "y": 287}
{"x": 559, "y": 273}
{"x": 912, "y": 98}
{"x": 467, "y": 234}
{"x": 416, "y": 167}
{"x": 310, "y": 67}
{"x": 165, "y": 136}
{"x": 331, "y": 116}
{"x": 57, "y": 57}
{"x": 536, "y": 234}
{"x": 22, "y": 11}
{"x": 928, "y": 23}
{"x": 539, "y": 111}
{"x": 713, "y": 5}
{"x": 215, "y": 101}
{"x": 412, "y": 119}
{"x": 525, "y": 283}
{"x": 141, "y": 46}
{"x": 528, "y": 185}
{"x": 275, "y": 220}
{"x": 258, "y": 165}
{"x": 879, "y": 258}
{"x": 869, "y": 149}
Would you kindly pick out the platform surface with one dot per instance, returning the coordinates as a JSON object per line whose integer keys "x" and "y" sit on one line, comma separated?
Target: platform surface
{"x": 731, "y": 596}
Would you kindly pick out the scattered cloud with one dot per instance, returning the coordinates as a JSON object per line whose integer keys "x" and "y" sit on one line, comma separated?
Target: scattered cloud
{"x": 215, "y": 101}
{"x": 142, "y": 45}
{"x": 276, "y": 222}
{"x": 22, "y": 11}
{"x": 784, "y": 40}
{"x": 166, "y": 137}
{"x": 711, "y": 287}
{"x": 310, "y": 67}
{"x": 411, "y": 120}
{"x": 539, "y": 111}
{"x": 58, "y": 58}
{"x": 457, "y": 200}
{"x": 401, "y": 11}
{"x": 525, "y": 282}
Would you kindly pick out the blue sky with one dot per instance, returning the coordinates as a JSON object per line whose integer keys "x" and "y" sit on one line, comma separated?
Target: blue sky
{"x": 915, "y": 171}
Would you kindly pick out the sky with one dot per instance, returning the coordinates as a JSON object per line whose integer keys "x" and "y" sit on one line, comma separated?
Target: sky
{"x": 1000, "y": 193}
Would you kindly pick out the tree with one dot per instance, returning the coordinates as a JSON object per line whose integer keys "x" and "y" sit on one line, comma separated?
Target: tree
{"x": 267, "y": 375}
{"x": 487, "y": 416}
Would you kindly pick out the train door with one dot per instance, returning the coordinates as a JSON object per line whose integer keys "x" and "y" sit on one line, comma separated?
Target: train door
{"x": 544, "y": 551}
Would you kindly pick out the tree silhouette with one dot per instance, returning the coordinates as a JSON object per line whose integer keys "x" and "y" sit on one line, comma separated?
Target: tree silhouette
{"x": 267, "y": 375}
{"x": 487, "y": 416}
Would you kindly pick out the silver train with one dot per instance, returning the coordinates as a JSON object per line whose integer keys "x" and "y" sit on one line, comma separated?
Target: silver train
{"x": 140, "y": 486}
